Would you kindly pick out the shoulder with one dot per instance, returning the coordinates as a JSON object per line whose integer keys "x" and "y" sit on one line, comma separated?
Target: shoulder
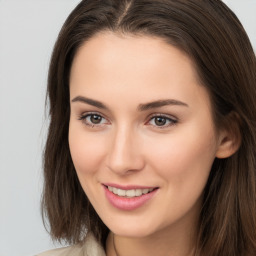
{"x": 89, "y": 248}
{"x": 70, "y": 250}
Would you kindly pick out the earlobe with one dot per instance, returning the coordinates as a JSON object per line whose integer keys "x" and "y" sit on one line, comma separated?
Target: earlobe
{"x": 230, "y": 137}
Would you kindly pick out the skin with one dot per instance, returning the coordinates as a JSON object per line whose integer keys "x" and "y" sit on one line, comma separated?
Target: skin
{"x": 128, "y": 146}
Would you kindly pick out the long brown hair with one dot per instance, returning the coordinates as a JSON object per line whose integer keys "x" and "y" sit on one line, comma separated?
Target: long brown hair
{"x": 212, "y": 36}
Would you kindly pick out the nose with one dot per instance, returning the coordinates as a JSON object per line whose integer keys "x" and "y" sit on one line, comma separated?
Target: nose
{"x": 125, "y": 156}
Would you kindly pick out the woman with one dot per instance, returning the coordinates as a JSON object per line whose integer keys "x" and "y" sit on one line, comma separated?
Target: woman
{"x": 152, "y": 141}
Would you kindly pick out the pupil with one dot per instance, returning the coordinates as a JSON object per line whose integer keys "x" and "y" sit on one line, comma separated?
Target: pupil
{"x": 95, "y": 119}
{"x": 160, "y": 121}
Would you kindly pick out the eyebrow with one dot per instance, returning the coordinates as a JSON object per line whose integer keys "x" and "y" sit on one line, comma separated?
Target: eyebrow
{"x": 161, "y": 103}
{"x": 91, "y": 102}
{"x": 141, "y": 107}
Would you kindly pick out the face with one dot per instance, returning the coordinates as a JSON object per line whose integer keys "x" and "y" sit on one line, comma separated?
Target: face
{"x": 141, "y": 133}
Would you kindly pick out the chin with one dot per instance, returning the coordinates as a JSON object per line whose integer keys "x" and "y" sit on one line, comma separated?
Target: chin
{"x": 132, "y": 230}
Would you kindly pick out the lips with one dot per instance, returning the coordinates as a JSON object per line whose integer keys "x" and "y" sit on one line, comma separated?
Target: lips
{"x": 130, "y": 192}
{"x": 128, "y": 197}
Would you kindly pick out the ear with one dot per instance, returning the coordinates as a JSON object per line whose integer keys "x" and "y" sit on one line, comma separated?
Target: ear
{"x": 229, "y": 136}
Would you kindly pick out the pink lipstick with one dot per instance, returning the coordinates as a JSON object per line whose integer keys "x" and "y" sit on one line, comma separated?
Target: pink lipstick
{"x": 130, "y": 197}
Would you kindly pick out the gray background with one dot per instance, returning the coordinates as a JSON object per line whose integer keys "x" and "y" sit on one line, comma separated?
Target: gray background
{"x": 28, "y": 29}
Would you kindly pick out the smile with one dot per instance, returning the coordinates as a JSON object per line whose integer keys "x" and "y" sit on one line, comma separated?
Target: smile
{"x": 130, "y": 197}
{"x": 129, "y": 193}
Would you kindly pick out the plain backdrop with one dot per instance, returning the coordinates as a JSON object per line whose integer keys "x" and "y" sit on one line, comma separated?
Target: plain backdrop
{"x": 28, "y": 29}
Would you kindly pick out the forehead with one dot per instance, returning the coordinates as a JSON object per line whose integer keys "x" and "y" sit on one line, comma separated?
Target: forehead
{"x": 107, "y": 48}
{"x": 134, "y": 67}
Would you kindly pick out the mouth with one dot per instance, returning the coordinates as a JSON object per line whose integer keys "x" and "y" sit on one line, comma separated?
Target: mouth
{"x": 130, "y": 193}
{"x": 129, "y": 197}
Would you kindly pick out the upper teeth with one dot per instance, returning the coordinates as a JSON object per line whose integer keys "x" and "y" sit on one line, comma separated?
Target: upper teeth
{"x": 130, "y": 192}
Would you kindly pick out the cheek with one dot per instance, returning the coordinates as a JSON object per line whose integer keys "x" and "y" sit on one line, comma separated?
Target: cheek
{"x": 184, "y": 164}
{"x": 86, "y": 151}
{"x": 184, "y": 159}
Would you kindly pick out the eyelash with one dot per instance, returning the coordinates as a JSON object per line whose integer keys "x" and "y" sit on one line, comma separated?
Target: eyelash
{"x": 85, "y": 116}
{"x": 172, "y": 121}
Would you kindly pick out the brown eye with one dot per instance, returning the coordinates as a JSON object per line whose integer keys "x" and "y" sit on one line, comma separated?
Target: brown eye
{"x": 160, "y": 121}
{"x": 95, "y": 119}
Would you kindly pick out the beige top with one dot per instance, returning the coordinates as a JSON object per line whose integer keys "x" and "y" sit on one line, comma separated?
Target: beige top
{"x": 90, "y": 248}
